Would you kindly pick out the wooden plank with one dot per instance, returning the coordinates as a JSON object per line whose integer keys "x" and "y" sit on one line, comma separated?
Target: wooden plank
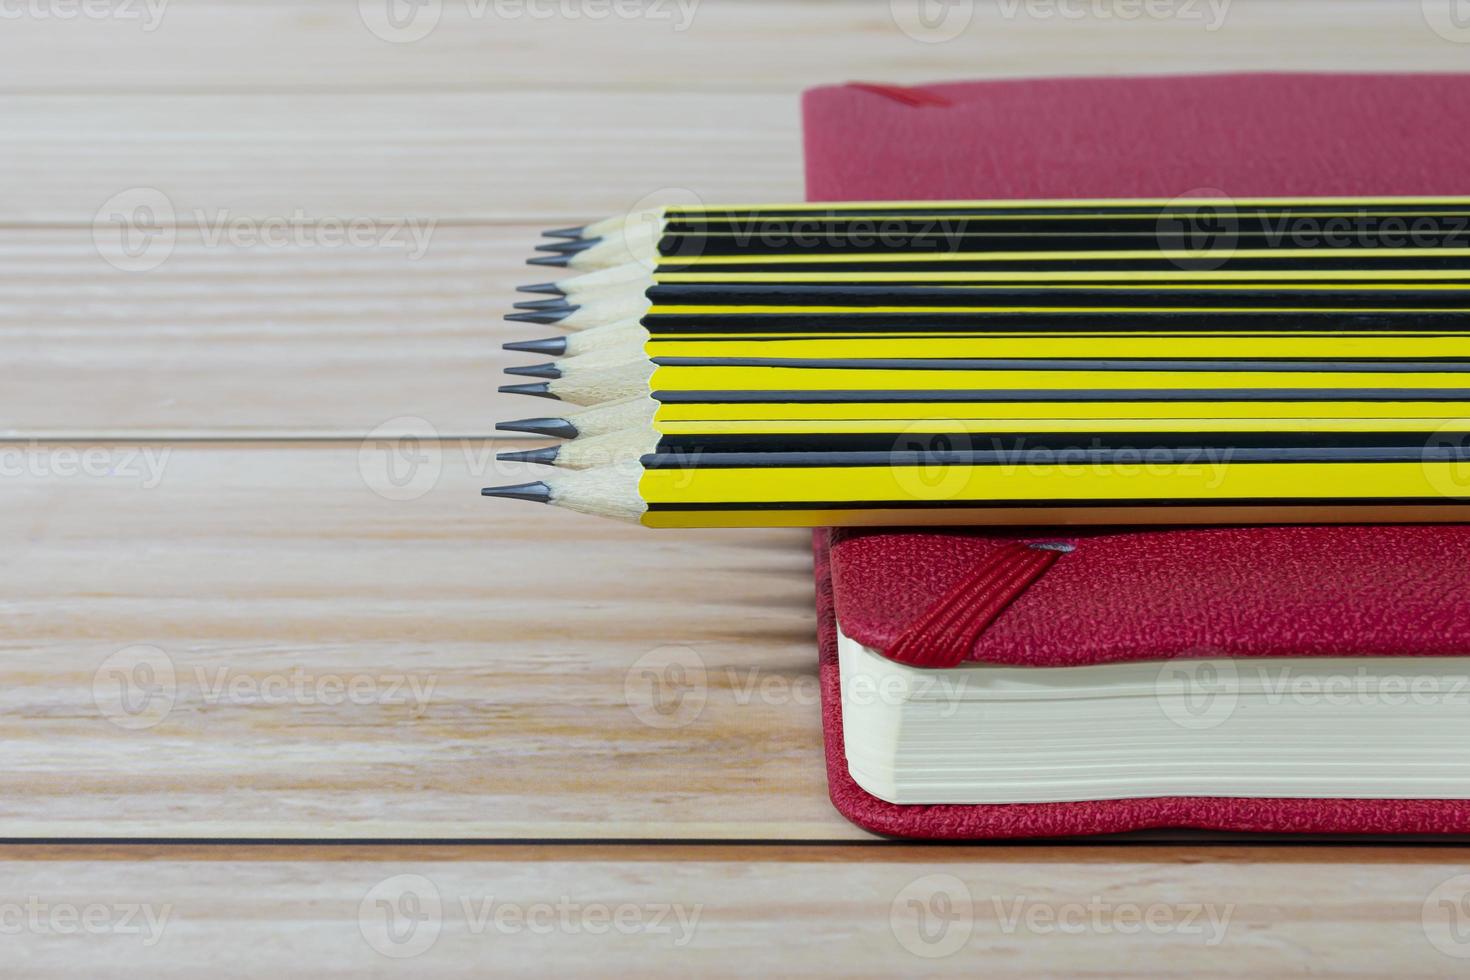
{"x": 302, "y": 656}
{"x": 725, "y": 46}
{"x": 249, "y": 340}
{"x": 1015, "y": 912}
{"x": 502, "y": 156}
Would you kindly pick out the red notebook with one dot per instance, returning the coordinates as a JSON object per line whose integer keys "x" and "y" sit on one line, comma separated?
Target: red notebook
{"x": 1070, "y": 598}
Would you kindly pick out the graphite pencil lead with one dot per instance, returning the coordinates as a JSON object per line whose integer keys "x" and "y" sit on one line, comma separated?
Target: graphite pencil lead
{"x": 541, "y": 316}
{"x": 537, "y": 492}
{"x": 548, "y": 370}
{"x": 554, "y": 428}
{"x": 549, "y": 288}
{"x": 569, "y": 248}
{"x": 545, "y": 455}
{"x": 556, "y": 260}
{"x": 540, "y": 389}
{"x": 555, "y": 346}
{"x": 575, "y": 232}
{"x": 554, "y": 304}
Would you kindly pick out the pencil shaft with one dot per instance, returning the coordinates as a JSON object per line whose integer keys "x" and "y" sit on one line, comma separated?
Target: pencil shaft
{"x": 1151, "y": 377}
{"x": 1128, "y": 513}
{"x": 1024, "y": 236}
{"x": 1207, "y": 295}
{"x": 917, "y": 446}
{"x": 925, "y": 408}
{"x": 1080, "y": 361}
{"x": 679, "y": 320}
{"x": 1317, "y": 346}
{"x": 1303, "y": 205}
{"x": 1078, "y": 484}
{"x": 683, "y": 433}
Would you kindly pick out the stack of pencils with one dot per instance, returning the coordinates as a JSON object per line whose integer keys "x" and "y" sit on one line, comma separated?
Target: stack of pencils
{"x": 1018, "y": 362}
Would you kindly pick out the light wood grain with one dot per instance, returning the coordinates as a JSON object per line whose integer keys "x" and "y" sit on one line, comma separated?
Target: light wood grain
{"x": 489, "y": 156}
{"x": 345, "y": 339}
{"x": 534, "y": 637}
{"x": 270, "y": 580}
{"x": 726, "y": 46}
{"x": 249, "y": 341}
{"x": 746, "y": 911}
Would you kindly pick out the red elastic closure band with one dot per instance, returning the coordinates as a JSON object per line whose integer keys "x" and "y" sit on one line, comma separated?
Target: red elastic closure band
{"x": 903, "y": 93}
{"x": 945, "y": 634}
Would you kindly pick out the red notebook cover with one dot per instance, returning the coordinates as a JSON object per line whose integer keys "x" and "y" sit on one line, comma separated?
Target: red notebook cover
{"x": 1106, "y": 595}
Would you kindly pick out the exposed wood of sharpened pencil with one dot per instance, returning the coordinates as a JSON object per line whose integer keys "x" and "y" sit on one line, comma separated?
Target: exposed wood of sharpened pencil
{"x": 589, "y": 422}
{"x": 625, "y": 334}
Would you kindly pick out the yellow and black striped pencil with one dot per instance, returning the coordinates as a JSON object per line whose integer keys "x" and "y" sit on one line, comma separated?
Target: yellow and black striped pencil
{"x": 1007, "y": 361}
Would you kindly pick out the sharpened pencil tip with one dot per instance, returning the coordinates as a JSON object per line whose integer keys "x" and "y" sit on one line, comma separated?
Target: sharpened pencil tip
{"x": 548, "y": 370}
{"x": 575, "y": 232}
{"x": 554, "y": 346}
{"x": 537, "y": 492}
{"x": 540, "y": 389}
{"x": 556, "y": 260}
{"x": 553, "y": 305}
{"x": 554, "y": 428}
{"x": 541, "y": 316}
{"x": 545, "y": 456}
{"x": 568, "y": 248}
{"x": 549, "y": 288}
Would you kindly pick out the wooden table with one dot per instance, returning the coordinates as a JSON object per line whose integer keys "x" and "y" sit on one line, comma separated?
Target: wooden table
{"x": 282, "y": 694}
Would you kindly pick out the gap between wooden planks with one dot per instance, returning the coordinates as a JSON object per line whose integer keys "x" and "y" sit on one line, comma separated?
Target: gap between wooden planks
{"x": 507, "y": 656}
{"x": 719, "y": 46}
{"x": 247, "y": 341}
{"x": 1137, "y": 911}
